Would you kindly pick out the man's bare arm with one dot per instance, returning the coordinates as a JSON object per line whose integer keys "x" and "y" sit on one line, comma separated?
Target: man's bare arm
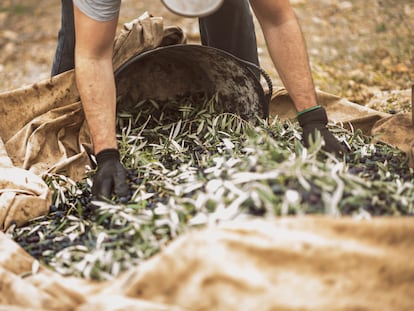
{"x": 96, "y": 84}
{"x": 287, "y": 49}
{"x": 95, "y": 77}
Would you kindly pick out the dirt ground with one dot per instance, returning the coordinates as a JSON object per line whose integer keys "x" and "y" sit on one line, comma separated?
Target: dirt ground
{"x": 361, "y": 50}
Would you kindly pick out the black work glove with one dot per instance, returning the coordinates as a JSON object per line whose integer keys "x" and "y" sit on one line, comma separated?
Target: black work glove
{"x": 313, "y": 120}
{"x": 110, "y": 177}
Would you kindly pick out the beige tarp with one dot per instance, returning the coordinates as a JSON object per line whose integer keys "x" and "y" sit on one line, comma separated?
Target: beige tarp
{"x": 23, "y": 195}
{"x": 297, "y": 264}
{"x": 290, "y": 264}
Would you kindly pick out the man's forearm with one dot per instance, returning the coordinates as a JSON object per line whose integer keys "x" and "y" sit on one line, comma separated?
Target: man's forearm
{"x": 97, "y": 88}
{"x": 287, "y": 49}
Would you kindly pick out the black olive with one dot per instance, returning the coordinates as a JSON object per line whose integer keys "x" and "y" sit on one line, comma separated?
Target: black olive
{"x": 33, "y": 239}
{"x": 277, "y": 189}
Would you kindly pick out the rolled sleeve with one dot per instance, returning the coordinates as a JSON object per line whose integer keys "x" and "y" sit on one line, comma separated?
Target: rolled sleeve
{"x": 99, "y": 10}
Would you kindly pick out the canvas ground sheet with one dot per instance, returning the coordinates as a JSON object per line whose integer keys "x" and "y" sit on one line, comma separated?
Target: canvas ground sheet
{"x": 309, "y": 263}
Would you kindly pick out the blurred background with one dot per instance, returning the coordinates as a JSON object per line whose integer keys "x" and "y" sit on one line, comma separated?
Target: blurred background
{"x": 360, "y": 50}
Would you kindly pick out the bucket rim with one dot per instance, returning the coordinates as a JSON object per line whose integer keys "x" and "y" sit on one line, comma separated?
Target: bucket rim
{"x": 264, "y": 98}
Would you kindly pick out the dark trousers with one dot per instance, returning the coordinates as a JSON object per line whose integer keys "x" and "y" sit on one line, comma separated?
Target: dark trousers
{"x": 231, "y": 29}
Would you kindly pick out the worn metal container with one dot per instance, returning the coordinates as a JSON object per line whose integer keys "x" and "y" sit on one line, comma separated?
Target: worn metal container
{"x": 171, "y": 72}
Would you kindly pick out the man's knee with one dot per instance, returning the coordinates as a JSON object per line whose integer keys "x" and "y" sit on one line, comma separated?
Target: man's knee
{"x": 236, "y": 7}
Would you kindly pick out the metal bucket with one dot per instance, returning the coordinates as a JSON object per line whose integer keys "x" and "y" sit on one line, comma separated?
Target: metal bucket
{"x": 193, "y": 8}
{"x": 167, "y": 73}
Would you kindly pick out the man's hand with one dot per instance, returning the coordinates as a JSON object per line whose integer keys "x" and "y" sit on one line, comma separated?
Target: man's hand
{"x": 313, "y": 120}
{"x": 110, "y": 177}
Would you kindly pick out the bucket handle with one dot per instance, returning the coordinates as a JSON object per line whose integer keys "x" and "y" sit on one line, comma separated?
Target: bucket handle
{"x": 265, "y": 75}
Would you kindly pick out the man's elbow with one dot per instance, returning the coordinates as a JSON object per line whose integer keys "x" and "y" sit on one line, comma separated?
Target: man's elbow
{"x": 273, "y": 13}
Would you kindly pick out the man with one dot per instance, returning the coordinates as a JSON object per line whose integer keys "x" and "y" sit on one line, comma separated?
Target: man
{"x": 230, "y": 28}
{"x": 95, "y": 26}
